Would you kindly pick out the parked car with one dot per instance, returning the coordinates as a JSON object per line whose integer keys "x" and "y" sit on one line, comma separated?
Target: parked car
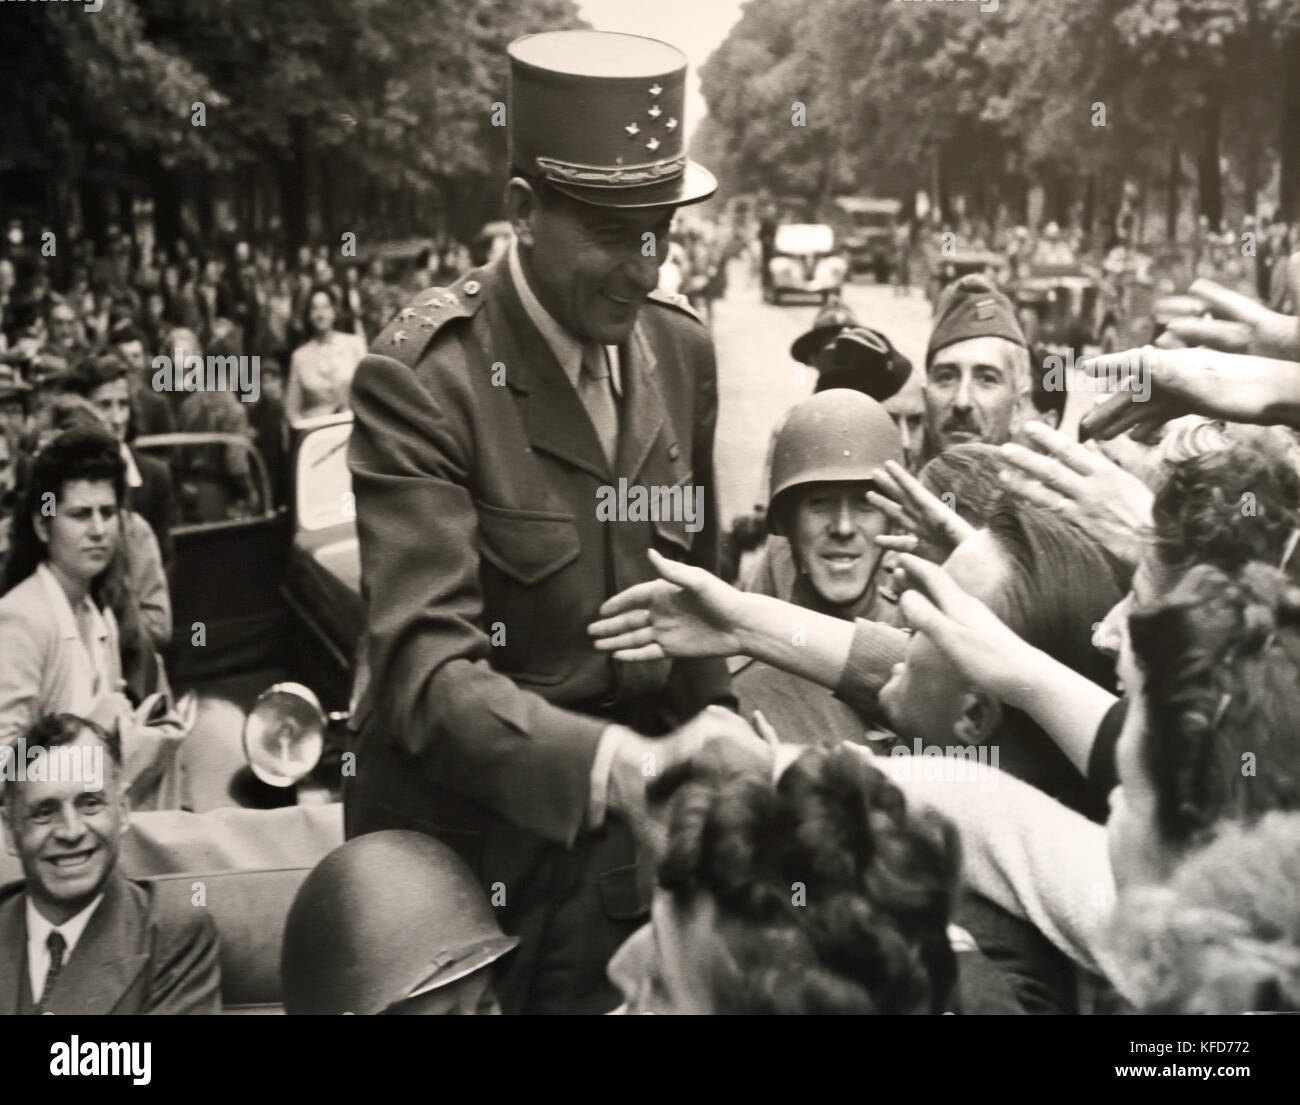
{"x": 945, "y": 268}
{"x": 1086, "y": 311}
{"x": 268, "y": 600}
{"x": 866, "y": 227}
{"x": 805, "y": 262}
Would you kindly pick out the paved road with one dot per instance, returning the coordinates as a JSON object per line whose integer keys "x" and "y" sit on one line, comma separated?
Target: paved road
{"x": 758, "y": 382}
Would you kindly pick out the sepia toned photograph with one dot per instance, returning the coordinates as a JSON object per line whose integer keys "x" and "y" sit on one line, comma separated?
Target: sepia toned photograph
{"x": 724, "y": 507}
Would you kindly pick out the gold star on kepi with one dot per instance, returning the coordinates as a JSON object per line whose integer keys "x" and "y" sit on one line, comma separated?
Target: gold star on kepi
{"x": 574, "y": 99}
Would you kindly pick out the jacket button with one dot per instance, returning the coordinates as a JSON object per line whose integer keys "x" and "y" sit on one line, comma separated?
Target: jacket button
{"x": 674, "y": 452}
{"x": 471, "y": 287}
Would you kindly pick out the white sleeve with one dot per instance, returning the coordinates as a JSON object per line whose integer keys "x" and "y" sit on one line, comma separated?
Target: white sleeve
{"x": 1025, "y": 851}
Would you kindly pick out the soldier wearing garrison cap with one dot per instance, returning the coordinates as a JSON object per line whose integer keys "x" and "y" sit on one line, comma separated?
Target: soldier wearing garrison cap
{"x": 489, "y": 417}
{"x": 977, "y": 383}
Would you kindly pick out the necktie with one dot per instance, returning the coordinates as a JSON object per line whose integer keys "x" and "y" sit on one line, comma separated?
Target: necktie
{"x": 597, "y": 395}
{"x": 56, "y": 944}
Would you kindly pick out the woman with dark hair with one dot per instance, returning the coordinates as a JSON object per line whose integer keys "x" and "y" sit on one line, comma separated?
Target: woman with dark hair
{"x": 825, "y": 894}
{"x": 135, "y": 586}
{"x": 320, "y": 370}
{"x": 58, "y": 636}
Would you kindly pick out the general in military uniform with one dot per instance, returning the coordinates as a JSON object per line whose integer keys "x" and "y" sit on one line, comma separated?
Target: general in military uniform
{"x": 489, "y": 416}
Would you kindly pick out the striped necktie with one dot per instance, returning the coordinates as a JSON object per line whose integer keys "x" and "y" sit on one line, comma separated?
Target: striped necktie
{"x": 56, "y": 945}
{"x": 597, "y": 395}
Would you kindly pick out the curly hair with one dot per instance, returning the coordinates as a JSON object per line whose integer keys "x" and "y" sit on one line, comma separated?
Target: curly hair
{"x": 1220, "y": 657}
{"x": 1224, "y": 935}
{"x": 832, "y": 896}
{"x": 1200, "y": 510}
{"x": 76, "y": 454}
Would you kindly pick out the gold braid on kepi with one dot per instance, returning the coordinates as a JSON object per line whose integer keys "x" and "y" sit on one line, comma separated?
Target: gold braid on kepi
{"x": 601, "y": 117}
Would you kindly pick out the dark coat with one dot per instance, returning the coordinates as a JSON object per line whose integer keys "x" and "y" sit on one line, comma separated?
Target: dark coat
{"x": 153, "y": 413}
{"x": 155, "y": 501}
{"x": 476, "y": 473}
{"x": 135, "y": 956}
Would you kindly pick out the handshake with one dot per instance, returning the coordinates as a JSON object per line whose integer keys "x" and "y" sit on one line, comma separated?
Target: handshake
{"x": 643, "y": 770}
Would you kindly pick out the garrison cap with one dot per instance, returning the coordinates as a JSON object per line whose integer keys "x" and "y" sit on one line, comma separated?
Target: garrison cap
{"x": 601, "y": 117}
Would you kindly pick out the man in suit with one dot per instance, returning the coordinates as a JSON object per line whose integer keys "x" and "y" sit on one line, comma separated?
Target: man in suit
{"x": 494, "y": 421}
{"x": 76, "y": 936}
{"x": 152, "y": 413}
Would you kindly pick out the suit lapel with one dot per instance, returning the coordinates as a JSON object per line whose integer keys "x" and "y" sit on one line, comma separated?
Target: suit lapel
{"x": 105, "y": 962}
{"x": 642, "y": 414}
{"x": 13, "y": 951}
{"x": 555, "y": 420}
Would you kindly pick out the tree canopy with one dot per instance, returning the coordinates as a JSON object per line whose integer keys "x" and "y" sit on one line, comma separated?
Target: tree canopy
{"x": 958, "y": 101}
{"x": 335, "y": 111}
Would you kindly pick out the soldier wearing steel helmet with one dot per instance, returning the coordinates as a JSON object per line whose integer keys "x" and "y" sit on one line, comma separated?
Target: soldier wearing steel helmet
{"x": 822, "y": 547}
{"x": 391, "y": 922}
{"x": 838, "y": 430}
{"x": 489, "y": 416}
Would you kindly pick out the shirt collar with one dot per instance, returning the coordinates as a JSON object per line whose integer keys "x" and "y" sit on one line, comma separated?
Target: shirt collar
{"x": 39, "y": 929}
{"x": 566, "y": 347}
{"x": 63, "y": 615}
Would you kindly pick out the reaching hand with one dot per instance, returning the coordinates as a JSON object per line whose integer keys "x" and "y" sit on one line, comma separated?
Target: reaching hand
{"x": 688, "y": 612}
{"x": 1164, "y": 384}
{"x": 978, "y": 643}
{"x": 1094, "y": 493}
{"x": 714, "y": 738}
{"x": 1240, "y": 325}
{"x": 908, "y": 504}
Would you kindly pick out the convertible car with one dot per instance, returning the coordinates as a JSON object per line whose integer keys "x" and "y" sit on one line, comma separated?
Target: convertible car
{"x": 267, "y": 613}
{"x": 266, "y": 608}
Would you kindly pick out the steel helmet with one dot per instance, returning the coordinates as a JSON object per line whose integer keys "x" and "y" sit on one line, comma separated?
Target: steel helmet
{"x": 836, "y": 435}
{"x": 381, "y": 917}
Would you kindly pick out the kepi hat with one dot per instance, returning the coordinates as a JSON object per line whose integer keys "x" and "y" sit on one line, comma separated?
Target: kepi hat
{"x": 601, "y": 117}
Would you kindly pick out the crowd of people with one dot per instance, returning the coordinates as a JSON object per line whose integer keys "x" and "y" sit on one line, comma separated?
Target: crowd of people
{"x": 997, "y": 712}
{"x": 1042, "y": 680}
{"x": 1086, "y": 657}
{"x": 1252, "y": 258}
{"x": 85, "y": 602}
{"x": 65, "y": 324}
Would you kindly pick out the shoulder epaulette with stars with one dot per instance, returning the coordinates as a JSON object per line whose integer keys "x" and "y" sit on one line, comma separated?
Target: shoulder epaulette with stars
{"x": 672, "y": 299}
{"x": 411, "y": 330}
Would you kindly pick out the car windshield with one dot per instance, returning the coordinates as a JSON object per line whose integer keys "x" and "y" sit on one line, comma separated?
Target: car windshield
{"x": 324, "y": 483}
{"x": 804, "y": 238}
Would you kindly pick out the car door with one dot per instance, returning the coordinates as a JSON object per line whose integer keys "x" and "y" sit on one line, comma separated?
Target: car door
{"x": 231, "y": 543}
